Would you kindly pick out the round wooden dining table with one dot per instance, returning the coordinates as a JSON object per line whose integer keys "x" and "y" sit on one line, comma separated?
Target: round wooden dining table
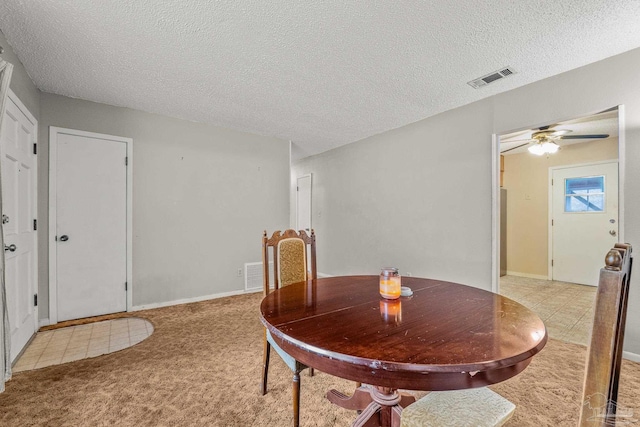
{"x": 446, "y": 336}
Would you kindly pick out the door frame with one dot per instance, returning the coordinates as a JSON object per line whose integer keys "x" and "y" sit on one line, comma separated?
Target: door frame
{"x": 550, "y": 207}
{"x": 14, "y": 98}
{"x": 310, "y": 200}
{"x": 53, "y": 157}
{"x": 495, "y": 188}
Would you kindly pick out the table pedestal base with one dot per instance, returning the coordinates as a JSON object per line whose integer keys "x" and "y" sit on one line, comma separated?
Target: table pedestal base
{"x": 380, "y": 406}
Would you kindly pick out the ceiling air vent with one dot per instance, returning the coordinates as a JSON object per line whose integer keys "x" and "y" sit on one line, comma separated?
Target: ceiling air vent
{"x": 491, "y": 77}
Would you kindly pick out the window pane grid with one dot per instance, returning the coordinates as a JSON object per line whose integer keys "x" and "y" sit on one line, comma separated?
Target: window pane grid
{"x": 584, "y": 194}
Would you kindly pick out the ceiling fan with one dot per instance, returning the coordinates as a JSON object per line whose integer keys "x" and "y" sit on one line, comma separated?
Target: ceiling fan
{"x": 543, "y": 140}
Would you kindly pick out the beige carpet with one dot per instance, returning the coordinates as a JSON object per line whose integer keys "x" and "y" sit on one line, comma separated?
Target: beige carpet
{"x": 202, "y": 367}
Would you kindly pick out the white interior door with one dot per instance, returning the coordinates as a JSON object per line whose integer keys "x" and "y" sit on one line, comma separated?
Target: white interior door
{"x": 19, "y": 181}
{"x": 303, "y": 203}
{"x": 585, "y": 220}
{"x": 90, "y": 224}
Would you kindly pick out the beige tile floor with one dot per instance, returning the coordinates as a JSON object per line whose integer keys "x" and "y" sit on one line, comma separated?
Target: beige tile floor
{"x": 565, "y": 308}
{"x": 83, "y": 341}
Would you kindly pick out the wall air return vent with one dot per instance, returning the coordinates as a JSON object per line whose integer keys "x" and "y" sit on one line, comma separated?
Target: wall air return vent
{"x": 491, "y": 77}
{"x": 253, "y": 279}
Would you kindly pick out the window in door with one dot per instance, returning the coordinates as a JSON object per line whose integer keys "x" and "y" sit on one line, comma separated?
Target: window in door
{"x": 584, "y": 194}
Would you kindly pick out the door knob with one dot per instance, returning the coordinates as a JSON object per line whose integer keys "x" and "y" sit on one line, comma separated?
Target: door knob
{"x": 612, "y": 232}
{"x": 10, "y": 248}
{"x": 5, "y": 219}
{"x": 64, "y": 238}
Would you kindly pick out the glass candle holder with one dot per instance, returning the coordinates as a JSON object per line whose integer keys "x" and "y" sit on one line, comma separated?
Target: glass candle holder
{"x": 390, "y": 283}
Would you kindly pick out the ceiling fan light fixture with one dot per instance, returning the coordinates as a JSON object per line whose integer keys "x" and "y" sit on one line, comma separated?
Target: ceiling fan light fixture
{"x": 550, "y": 147}
{"x": 544, "y": 147}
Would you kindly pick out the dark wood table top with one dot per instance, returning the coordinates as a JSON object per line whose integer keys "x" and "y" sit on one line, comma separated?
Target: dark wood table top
{"x": 446, "y": 336}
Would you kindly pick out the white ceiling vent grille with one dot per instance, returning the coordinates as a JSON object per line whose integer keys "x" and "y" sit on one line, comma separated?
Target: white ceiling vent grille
{"x": 491, "y": 77}
{"x": 253, "y": 276}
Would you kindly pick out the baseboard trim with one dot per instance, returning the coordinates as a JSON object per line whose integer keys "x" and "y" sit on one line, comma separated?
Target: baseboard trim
{"x": 43, "y": 322}
{"x": 321, "y": 275}
{"x": 190, "y": 300}
{"x": 527, "y": 275}
{"x": 634, "y": 357}
{"x": 195, "y": 299}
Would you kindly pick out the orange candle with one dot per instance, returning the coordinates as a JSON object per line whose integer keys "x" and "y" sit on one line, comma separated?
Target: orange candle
{"x": 390, "y": 283}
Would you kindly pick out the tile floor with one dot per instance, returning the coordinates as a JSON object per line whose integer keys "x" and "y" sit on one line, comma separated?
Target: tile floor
{"x": 565, "y": 308}
{"x": 83, "y": 341}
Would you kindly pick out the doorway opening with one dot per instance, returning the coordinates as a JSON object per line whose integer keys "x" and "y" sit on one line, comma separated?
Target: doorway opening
{"x": 537, "y": 236}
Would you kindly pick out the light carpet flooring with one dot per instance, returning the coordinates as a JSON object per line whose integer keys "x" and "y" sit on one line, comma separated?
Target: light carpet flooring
{"x": 202, "y": 366}
{"x": 565, "y": 308}
{"x": 73, "y": 343}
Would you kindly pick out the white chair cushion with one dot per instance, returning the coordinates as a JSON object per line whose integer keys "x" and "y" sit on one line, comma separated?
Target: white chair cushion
{"x": 288, "y": 360}
{"x": 478, "y": 407}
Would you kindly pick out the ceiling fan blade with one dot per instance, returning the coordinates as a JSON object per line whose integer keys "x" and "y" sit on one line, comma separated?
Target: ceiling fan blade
{"x": 594, "y": 136}
{"x": 518, "y": 146}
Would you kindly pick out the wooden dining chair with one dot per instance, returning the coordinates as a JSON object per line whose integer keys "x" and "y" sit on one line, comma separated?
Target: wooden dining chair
{"x": 484, "y": 407}
{"x": 294, "y": 260}
{"x": 604, "y": 357}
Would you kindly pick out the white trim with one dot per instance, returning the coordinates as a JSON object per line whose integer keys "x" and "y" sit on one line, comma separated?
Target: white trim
{"x": 634, "y": 357}
{"x": 578, "y": 165}
{"x": 190, "y": 300}
{"x": 528, "y": 275}
{"x": 53, "y": 135}
{"x": 621, "y": 171}
{"x": 310, "y": 200}
{"x": 53, "y": 259}
{"x": 43, "y": 322}
{"x": 129, "y": 223}
{"x": 24, "y": 110}
{"x": 290, "y": 182}
{"x": 552, "y": 169}
{"x": 495, "y": 213}
{"x": 203, "y": 298}
{"x": 549, "y": 222}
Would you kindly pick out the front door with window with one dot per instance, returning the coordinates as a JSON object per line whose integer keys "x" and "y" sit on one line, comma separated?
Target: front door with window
{"x": 584, "y": 220}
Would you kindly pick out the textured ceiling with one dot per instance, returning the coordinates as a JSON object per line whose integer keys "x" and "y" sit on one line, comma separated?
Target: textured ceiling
{"x": 321, "y": 74}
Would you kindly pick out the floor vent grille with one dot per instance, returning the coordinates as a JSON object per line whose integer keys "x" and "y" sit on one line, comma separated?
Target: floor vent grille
{"x": 491, "y": 77}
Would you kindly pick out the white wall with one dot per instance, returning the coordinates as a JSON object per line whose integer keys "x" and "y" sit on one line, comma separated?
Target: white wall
{"x": 202, "y": 196}
{"x": 419, "y": 197}
{"x": 614, "y": 81}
